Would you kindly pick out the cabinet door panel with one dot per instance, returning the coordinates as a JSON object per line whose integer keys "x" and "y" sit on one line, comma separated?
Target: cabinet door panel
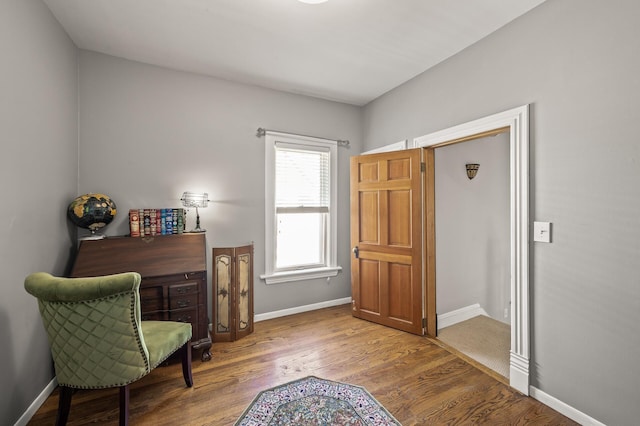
{"x": 151, "y": 299}
{"x": 223, "y": 275}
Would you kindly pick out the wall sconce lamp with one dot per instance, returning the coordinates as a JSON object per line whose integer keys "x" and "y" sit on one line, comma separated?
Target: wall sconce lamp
{"x": 195, "y": 199}
{"x": 472, "y": 170}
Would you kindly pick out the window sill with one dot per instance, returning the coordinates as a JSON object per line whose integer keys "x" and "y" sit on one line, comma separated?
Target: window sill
{"x": 304, "y": 274}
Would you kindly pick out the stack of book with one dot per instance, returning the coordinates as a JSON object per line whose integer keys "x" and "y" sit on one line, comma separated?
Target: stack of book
{"x": 145, "y": 222}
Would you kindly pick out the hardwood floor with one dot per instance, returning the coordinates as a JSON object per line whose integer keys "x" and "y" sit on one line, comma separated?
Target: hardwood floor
{"x": 416, "y": 379}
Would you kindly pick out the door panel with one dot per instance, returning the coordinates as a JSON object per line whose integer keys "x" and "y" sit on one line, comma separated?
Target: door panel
{"x": 386, "y": 228}
{"x": 369, "y": 217}
{"x": 400, "y": 290}
{"x": 399, "y": 169}
{"x": 370, "y": 296}
{"x": 399, "y": 218}
{"x": 368, "y": 172}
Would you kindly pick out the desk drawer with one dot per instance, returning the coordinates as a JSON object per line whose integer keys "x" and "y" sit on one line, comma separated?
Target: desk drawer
{"x": 183, "y": 302}
{"x": 187, "y": 315}
{"x": 182, "y": 296}
{"x": 184, "y": 315}
{"x": 180, "y": 290}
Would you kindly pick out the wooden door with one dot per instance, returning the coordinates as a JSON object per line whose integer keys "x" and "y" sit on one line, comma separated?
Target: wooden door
{"x": 387, "y": 282}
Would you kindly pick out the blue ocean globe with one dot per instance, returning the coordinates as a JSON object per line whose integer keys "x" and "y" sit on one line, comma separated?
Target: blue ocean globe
{"x": 92, "y": 211}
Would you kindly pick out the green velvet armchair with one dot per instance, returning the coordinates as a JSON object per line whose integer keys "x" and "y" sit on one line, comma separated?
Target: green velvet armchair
{"x": 97, "y": 337}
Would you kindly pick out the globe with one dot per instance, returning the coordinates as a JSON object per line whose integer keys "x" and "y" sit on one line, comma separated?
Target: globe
{"x": 92, "y": 211}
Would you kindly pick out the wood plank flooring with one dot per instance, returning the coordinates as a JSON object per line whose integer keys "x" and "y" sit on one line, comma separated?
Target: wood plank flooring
{"x": 418, "y": 380}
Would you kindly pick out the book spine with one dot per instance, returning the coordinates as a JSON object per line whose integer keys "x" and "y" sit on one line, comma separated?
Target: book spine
{"x": 141, "y": 220}
{"x": 152, "y": 221}
{"x": 169, "y": 221}
{"x": 134, "y": 223}
{"x": 163, "y": 221}
{"x": 147, "y": 222}
{"x": 174, "y": 214}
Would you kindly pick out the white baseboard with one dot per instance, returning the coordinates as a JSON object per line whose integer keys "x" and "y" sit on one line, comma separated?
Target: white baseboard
{"x": 519, "y": 372}
{"x": 300, "y": 309}
{"x": 37, "y": 403}
{"x": 563, "y": 408}
{"x": 459, "y": 315}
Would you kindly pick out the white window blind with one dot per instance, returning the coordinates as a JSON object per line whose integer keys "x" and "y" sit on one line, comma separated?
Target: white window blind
{"x": 302, "y": 180}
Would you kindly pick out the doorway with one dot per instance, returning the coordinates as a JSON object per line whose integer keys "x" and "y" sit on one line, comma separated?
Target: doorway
{"x": 472, "y": 249}
{"x": 517, "y": 122}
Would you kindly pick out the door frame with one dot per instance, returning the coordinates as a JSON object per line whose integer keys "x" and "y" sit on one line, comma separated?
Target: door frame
{"x": 517, "y": 120}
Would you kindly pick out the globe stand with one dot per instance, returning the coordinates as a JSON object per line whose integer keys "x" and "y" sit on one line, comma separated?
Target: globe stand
{"x": 94, "y": 236}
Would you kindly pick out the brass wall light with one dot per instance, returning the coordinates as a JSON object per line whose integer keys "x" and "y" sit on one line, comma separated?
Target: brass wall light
{"x": 472, "y": 170}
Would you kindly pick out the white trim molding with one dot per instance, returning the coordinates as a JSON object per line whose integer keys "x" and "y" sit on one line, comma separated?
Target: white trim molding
{"x": 306, "y": 274}
{"x": 517, "y": 120}
{"x": 398, "y": 146}
{"x": 564, "y": 408}
{"x": 453, "y": 317}
{"x": 300, "y": 309}
{"x": 37, "y": 403}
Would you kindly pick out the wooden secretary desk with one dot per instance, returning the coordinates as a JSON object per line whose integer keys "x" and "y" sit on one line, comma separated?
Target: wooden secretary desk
{"x": 174, "y": 276}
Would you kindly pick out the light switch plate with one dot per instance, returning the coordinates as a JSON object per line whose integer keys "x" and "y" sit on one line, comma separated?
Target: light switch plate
{"x": 542, "y": 232}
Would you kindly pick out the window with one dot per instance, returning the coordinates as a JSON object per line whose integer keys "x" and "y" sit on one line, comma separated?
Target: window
{"x": 300, "y": 214}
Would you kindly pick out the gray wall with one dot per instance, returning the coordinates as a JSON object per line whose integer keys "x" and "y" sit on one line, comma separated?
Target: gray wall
{"x": 577, "y": 63}
{"x": 472, "y": 226}
{"x": 38, "y": 171}
{"x": 147, "y": 134}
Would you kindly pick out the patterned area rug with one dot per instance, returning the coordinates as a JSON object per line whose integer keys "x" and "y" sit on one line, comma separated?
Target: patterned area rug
{"x": 313, "y": 402}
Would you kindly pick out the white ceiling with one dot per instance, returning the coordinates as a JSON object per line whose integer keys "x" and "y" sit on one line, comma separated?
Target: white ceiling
{"x": 344, "y": 50}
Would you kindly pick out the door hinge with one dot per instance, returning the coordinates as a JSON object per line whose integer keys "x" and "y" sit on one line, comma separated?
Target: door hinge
{"x": 424, "y": 323}
{"x": 423, "y": 167}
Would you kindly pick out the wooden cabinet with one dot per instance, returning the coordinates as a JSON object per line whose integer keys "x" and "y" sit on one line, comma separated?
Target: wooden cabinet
{"x": 232, "y": 293}
{"x": 174, "y": 276}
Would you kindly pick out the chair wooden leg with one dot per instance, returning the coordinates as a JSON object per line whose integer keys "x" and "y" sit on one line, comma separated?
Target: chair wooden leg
{"x": 64, "y": 405}
{"x": 186, "y": 364}
{"x": 124, "y": 405}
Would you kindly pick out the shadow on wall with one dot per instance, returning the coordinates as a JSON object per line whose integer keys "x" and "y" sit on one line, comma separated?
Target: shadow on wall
{"x": 14, "y": 371}
{"x": 8, "y": 374}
